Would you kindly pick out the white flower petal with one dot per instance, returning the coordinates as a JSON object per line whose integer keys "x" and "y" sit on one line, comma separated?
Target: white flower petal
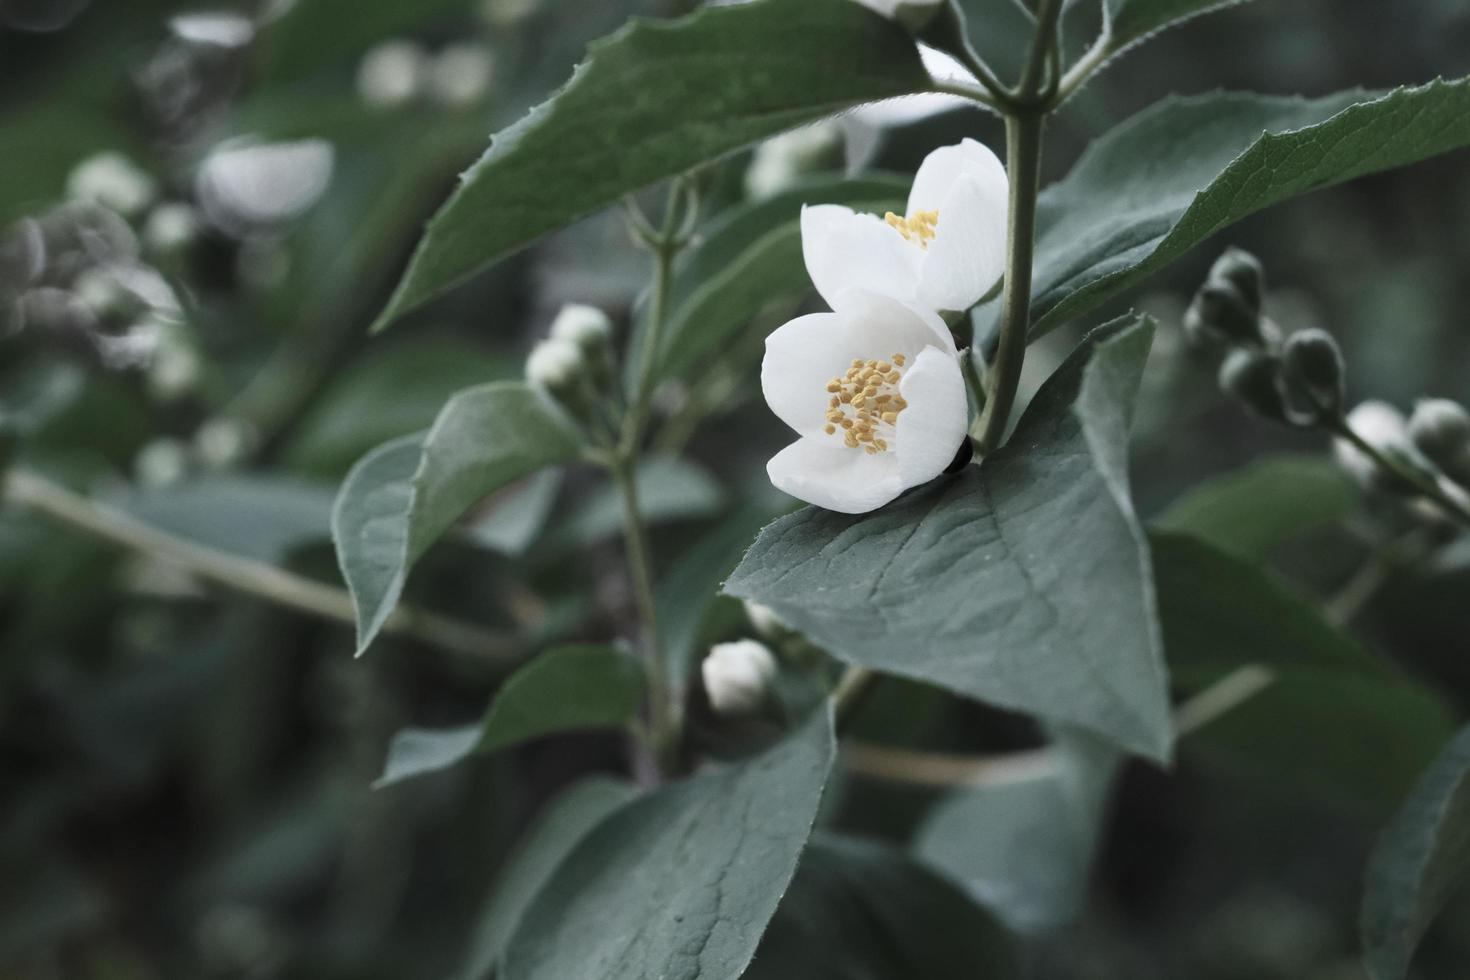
{"x": 845, "y": 250}
{"x": 967, "y": 185}
{"x": 802, "y": 355}
{"x": 826, "y": 473}
{"x": 931, "y": 429}
{"x": 881, "y": 322}
{"x": 943, "y": 166}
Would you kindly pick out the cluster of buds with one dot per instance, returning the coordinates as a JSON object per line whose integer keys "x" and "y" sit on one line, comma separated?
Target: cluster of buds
{"x": 1297, "y": 380}
{"x": 574, "y": 364}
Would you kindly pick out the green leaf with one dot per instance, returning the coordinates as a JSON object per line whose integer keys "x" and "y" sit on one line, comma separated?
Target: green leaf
{"x": 1178, "y": 172}
{"x": 566, "y": 820}
{"x": 859, "y": 910}
{"x": 1333, "y": 718}
{"x": 751, "y": 257}
{"x": 650, "y": 102}
{"x": 1134, "y": 20}
{"x": 517, "y": 514}
{"x": 1024, "y": 846}
{"x": 1249, "y": 512}
{"x": 568, "y": 688}
{"x": 680, "y": 883}
{"x": 1420, "y": 861}
{"x": 403, "y": 495}
{"x": 1023, "y": 582}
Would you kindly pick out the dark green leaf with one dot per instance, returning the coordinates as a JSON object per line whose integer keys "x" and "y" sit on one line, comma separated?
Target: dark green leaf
{"x": 1420, "y": 861}
{"x": 1023, "y": 582}
{"x": 652, "y": 101}
{"x": 566, "y": 820}
{"x": 680, "y": 884}
{"x": 1024, "y": 846}
{"x": 1182, "y": 170}
{"x": 517, "y": 514}
{"x": 858, "y": 910}
{"x": 569, "y": 688}
{"x": 1252, "y": 510}
{"x": 1135, "y": 20}
{"x": 1333, "y": 717}
{"x": 401, "y": 497}
{"x": 752, "y": 257}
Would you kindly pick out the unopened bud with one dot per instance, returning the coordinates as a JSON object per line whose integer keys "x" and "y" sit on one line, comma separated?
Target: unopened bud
{"x": 1381, "y": 426}
{"x": 587, "y": 327}
{"x": 170, "y": 227}
{"x": 555, "y": 365}
{"x": 113, "y": 181}
{"x": 764, "y": 621}
{"x": 1219, "y": 307}
{"x": 460, "y": 75}
{"x": 1243, "y": 271}
{"x": 1440, "y": 429}
{"x": 1253, "y": 377}
{"x": 392, "y": 73}
{"x": 737, "y": 676}
{"x": 1312, "y": 377}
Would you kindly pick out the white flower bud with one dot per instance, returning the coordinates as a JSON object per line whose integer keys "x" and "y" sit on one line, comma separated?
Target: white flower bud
{"x": 1381, "y": 426}
{"x": 391, "y": 73}
{"x": 220, "y": 442}
{"x": 461, "y": 74}
{"x": 99, "y": 291}
{"x": 112, "y": 180}
{"x": 586, "y": 326}
{"x": 736, "y": 676}
{"x": 1440, "y": 428}
{"x": 554, "y": 364}
{"x": 170, "y": 226}
{"x": 161, "y": 462}
{"x": 763, "y": 620}
{"x": 781, "y": 160}
{"x": 507, "y": 13}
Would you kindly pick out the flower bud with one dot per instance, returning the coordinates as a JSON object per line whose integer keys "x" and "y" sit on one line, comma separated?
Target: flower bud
{"x": 1440, "y": 429}
{"x": 113, "y": 181}
{"x": 1312, "y": 377}
{"x": 1253, "y": 377}
{"x": 1381, "y": 426}
{"x": 764, "y": 621}
{"x": 737, "y": 676}
{"x": 461, "y": 74}
{"x": 391, "y": 74}
{"x": 1219, "y": 309}
{"x": 587, "y": 327}
{"x": 1243, "y": 271}
{"x": 170, "y": 226}
{"x": 556, "y": 365}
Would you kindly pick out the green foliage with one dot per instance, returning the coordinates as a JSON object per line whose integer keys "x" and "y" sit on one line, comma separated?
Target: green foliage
{"x": 560, "y": 827}
{"x": 681, "y": 882}
{"x": 858, "y": 910}
{"x": 1251, "y": 511}
{"x": 1023, "y": 582}
{"x": 1134, "y": 20}
{"x": 1422, "y": 858}
{"x": 402, "y": 496}
{"x": 1023, "y": 845}
{"x": 565, "y": 689}
{"x": 256, "y": 516}
{"x": 1334, "y": 717}
{"x": 646, "y": 105}
{"x": 1178, "y": 172}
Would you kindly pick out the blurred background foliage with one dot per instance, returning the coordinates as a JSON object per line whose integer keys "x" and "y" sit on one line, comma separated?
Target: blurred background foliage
{"x": 185, "y": 775}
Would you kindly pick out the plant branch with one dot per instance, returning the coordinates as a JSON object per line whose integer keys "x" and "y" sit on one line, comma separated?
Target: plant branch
{"x": 1455, "y": 510}
{"x": 24, "y": 488}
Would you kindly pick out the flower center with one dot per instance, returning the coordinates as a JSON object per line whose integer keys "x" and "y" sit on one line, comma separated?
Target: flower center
{"x": 863, "y": 404}
{"x": 917, "y": 228}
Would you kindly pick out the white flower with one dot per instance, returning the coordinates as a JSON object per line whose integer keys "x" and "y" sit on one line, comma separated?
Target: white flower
{"x": 736, "y": 676}
{"x": 554, "y": 363}
{"x": 112, "y": 180}
{"x": 874, "y": 390}
{"x": 1381, "y": 426}
{"x": 391, "y": 73}
{"x": 170, "y": 226}
{"x": 945, "y": 254}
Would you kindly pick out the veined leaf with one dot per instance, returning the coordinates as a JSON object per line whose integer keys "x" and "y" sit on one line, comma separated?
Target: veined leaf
{"x": 566, "y": 820}
{"x": 400, "y": 498}
{"x": 680, "y": 883}
{"x": 1420, "y": 861}
{"x": 652, "y": 101}
{"x": 1250, "y": 511}
{"x": 1178, "y": 172}
{"x": 573, "y": 687}
{"x": 1134, "y": 20}
{"x": 1023, "y": 582}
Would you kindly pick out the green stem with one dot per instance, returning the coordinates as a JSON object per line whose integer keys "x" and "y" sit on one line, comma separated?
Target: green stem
{"x": 851, "y": 692}
{"x": 1042, "y": 42}
{"x": 663, "y": 721}
{"x": 24, "y": 488}
{"x": 1023, "y": 164}
{"x": 1079, "y": 73}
